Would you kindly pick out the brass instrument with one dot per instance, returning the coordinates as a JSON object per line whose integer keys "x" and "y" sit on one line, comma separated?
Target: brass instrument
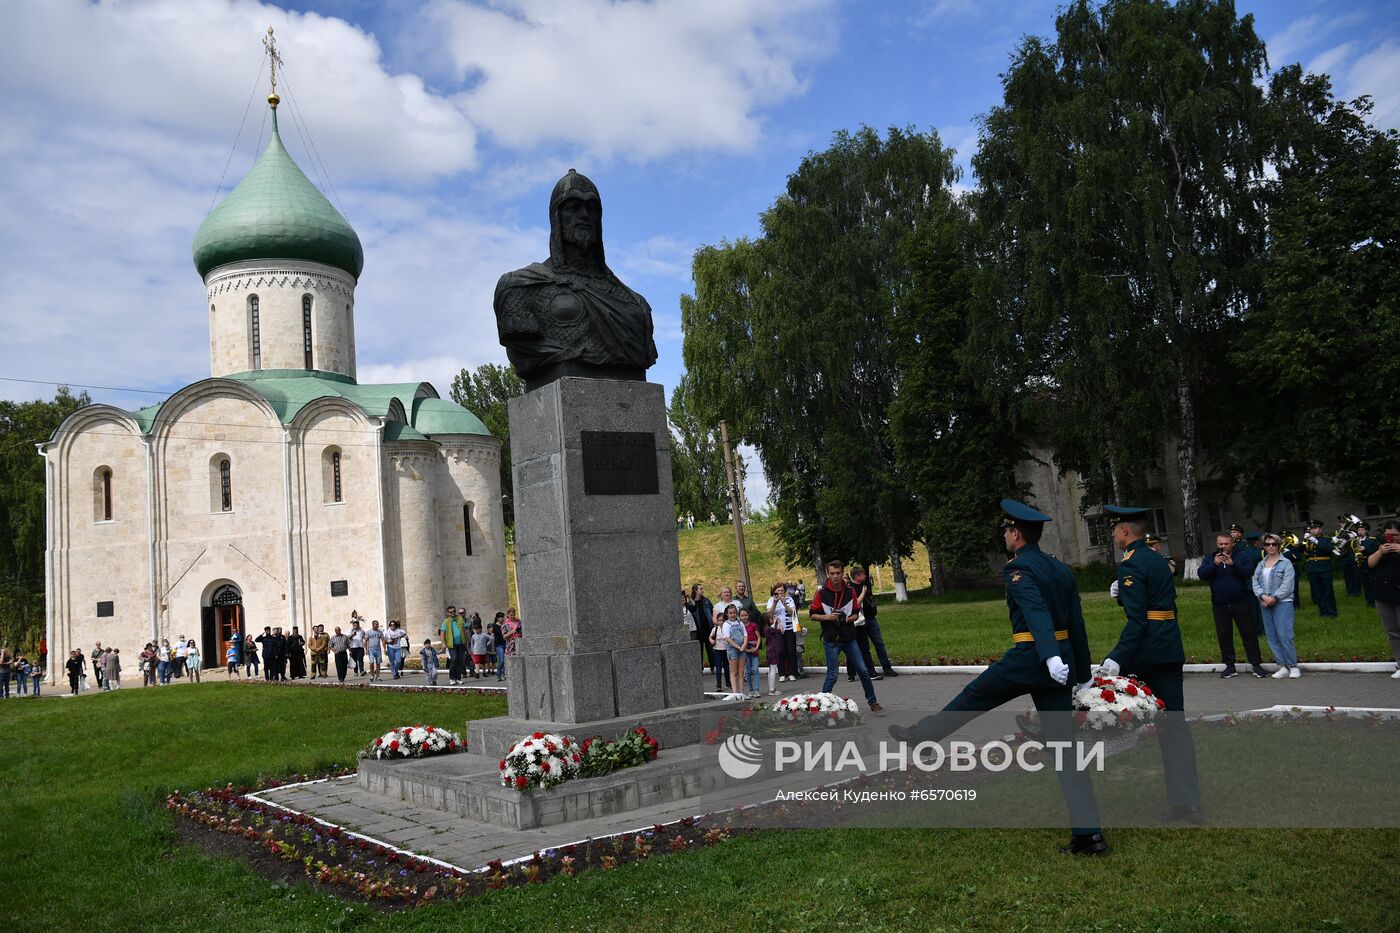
{"x": 1345, "y": 534}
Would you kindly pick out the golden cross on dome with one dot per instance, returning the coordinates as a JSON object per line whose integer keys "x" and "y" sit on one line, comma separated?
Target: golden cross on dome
{"x": 274, "y": 61}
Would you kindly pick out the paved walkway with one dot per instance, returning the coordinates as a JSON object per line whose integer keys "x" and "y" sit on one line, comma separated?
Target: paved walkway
{"x": 467, "y": 843}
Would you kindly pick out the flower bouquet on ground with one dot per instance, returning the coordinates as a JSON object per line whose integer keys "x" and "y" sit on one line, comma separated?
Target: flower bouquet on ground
{"x": 414, "y": 742}
{"x": 817, "y": 709}
{"x": 636, "y": 747}
{"x": 541, "y": 759}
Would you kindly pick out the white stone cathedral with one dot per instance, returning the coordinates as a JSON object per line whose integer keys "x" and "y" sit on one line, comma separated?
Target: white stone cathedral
{"x": 279, "y": 491}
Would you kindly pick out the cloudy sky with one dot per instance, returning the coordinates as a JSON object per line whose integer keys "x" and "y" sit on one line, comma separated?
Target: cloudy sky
{"x": 439, "y": 127}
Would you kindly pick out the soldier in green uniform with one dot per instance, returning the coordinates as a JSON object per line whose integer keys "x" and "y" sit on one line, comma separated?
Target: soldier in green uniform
{"x": 1364, "y": 547}
{"x": 1049, "y": 654}
{"x": 1318, "y": 552}
{"x": 1150, "y": 649}
{"x": 1256, "y": 554}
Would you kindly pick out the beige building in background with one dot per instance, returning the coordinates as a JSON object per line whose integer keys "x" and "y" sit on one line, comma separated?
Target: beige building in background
{"x": 279, "y": 491}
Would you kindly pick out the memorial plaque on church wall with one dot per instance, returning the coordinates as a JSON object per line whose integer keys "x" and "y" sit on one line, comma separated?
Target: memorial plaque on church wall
{"x": 619, "y": 463}
{"x": 340, "y": 588}
{"x": 105, "y": 609}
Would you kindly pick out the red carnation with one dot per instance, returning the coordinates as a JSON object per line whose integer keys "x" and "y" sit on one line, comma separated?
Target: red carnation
{"x": 429, "y": 730}
{"x": 503, "y": 764}
{"x": 394, "y": 745}
{"x": 1160, "y": 704}
{"x": 1146, "y": 689}
{"x": 1125, "y": 716}
{"x": 378, "y": 742}
{"x": 537, "y": 735}
{"x": 575, "y": 759}
{"x": 1130, "y": 690}
{"x": 544, "y": 766}
{"x": 549, "y": 746}
{"x": 521, "y": 781}
{"x": 1108, "y": 695}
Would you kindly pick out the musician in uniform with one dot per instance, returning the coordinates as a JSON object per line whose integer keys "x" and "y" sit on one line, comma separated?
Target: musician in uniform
{"x": 1363, "y": 547}
{"x": 1150, "y": 649}
{"x": 1318, "y": 553}
{"x": 1048, "y": 657}
{"x": 1345, "y": 544}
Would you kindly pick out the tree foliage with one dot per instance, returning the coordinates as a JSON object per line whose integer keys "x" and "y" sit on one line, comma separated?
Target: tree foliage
{"x": 697, "y": 457}
{"x": 485, "y": 392}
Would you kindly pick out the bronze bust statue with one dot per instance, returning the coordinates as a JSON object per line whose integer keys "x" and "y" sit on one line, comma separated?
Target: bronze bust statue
{"x": 569, "y": 315}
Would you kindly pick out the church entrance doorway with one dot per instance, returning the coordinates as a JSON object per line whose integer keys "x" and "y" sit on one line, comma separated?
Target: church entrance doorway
{"x": 222, "y": 620}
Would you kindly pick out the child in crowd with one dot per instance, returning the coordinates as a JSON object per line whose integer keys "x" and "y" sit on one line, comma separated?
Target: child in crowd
{"x": 430, "y": 661}
{"x": 773, "y": 649}
{"x": 38, "y": 674}
{"x": 22, "y": 669}
{"x": 734, "y": 637}
{"x": 231, "y": 656}
{"x": 750, "y": 654}
{"x": 483, "y": 652}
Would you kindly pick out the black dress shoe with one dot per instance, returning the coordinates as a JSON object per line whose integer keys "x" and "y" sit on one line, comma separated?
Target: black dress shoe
{"x": 1090, "y": 844}
{"x": 891, "y": 672}
{"x": 1180, "y": 813}
{"x": 851, "y": 678}
{"x": 1030, "y": 728}
{"x": 902, "y": 733}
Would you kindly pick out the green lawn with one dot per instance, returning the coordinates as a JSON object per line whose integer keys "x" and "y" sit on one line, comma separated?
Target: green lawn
{"x": 974, "y": 624}
{"x": 88, "y": 845}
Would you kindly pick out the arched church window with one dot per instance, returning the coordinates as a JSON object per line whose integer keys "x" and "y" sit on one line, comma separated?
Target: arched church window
{"x": 255, "y": 329}
{"x": 102, "y": 495}
{"x": 306, "y": 331}
{"x": 330, "y": 475}
{"x": 225, "y": 486}
{"x": 467, "y": 526}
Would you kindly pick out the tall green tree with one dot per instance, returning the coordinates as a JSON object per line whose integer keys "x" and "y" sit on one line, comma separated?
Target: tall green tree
{"x": 485, "y": 392}
{"x": 1124, "y": 170}
{"x": 1325, "y": 342}
{"x": 697, "y": 458}
{"x": 789, "y": 338}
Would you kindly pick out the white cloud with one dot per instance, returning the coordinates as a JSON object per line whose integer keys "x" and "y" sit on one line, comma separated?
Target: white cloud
{"x": 187, "y": 66}
{"x": 1378, "y": 73}
{"x": 636, "y": 80}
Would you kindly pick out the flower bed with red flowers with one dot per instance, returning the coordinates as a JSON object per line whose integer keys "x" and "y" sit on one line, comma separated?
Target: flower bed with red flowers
{"x": 232, "y": 820}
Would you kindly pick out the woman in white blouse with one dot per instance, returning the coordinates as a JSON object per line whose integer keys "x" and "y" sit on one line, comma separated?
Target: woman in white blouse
{"x": 784, "y": 611}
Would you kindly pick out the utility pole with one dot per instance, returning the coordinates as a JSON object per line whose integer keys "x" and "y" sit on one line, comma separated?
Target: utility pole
{"x": 734, "y": 508}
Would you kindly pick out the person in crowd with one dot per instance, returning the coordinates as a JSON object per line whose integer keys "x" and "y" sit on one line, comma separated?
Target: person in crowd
{"x": 455, "y": 638}
{"x": 281, "y": 651}
{"x": 801, "y": 592}
{"x": 21, "y": 675}
{"x": 164, "y": 662}
{"x": 512, "y": 628}
{"x": 751, "y": 645}
{"x": 96, "y": 659}
{"x": 250, "y": 657}
{"x": 231, "y": 658}
{"x": 483, "y": 651}
{"x": 149, "y": 658}
{"x": 730, "y": 635}
{"x": 1273, "y": 587}
{"x": 357, "y": 644}
{"x": 319, "y": 645}
{"x": 395, "y": 642}
{"x": 430, "y": 661}
{"x": 498, "y": 644}
{"x": 76, "y": 667}
{"x": 1229, "y": 573}
{"x": 1319, "y": 551}
{"x": 835, "y": 606}
{"x": 112, "y": 670}
{"x": 783, "y": 612}
{"x": 374, "y": 650}
{"x": 720, "y": 658}
{"x": 43, "y": 653}
{"x": 296, "y": 654}
{"x": 745, "y": 601}
{"x": 1384, "y": 567}
{"x": 1154, "y": 541}
{"x": 772, "y": 650}
{"x": 193, "y": 662}
{"x": 1365, "y": 546}
{"x": 268, "y": 662}
{"x": 37, "y": 674}
{"x": 339, "y": 645}
{"x": 7, "y": 667}
{"x": 182, "y": 650}
{"x": 868, "y": 630}
{"x": 704, "y": 612}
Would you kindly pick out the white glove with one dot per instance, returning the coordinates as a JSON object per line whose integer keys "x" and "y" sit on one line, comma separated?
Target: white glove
{"x": 1110, "y": 667}
{"x": 1113, "y": 589}
{"x": 1059, "y": 670}
{"x": 1085, "y": 686}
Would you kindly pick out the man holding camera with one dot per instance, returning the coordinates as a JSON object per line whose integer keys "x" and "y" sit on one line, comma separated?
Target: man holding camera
{"x": 1229, "y": 571}
{"x": 836, "y": 606}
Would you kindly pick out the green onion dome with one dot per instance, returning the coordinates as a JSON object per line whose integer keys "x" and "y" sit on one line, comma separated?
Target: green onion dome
{"x": 275, "y": 212}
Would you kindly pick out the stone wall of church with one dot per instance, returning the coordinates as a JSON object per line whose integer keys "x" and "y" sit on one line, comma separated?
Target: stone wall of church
{"x": 94, "y": 559}
{"x": 413, "y": 547}
{"x": 471, "y": 477}
{"x": 336, "y": 528}
{"x": 202, "y": 545}
{"x": 280, "y": 288}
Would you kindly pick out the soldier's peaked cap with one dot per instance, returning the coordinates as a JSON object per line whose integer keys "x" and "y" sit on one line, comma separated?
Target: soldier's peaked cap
{"x": 1018, "y": 513}
{"x": 1123, "y": 513}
